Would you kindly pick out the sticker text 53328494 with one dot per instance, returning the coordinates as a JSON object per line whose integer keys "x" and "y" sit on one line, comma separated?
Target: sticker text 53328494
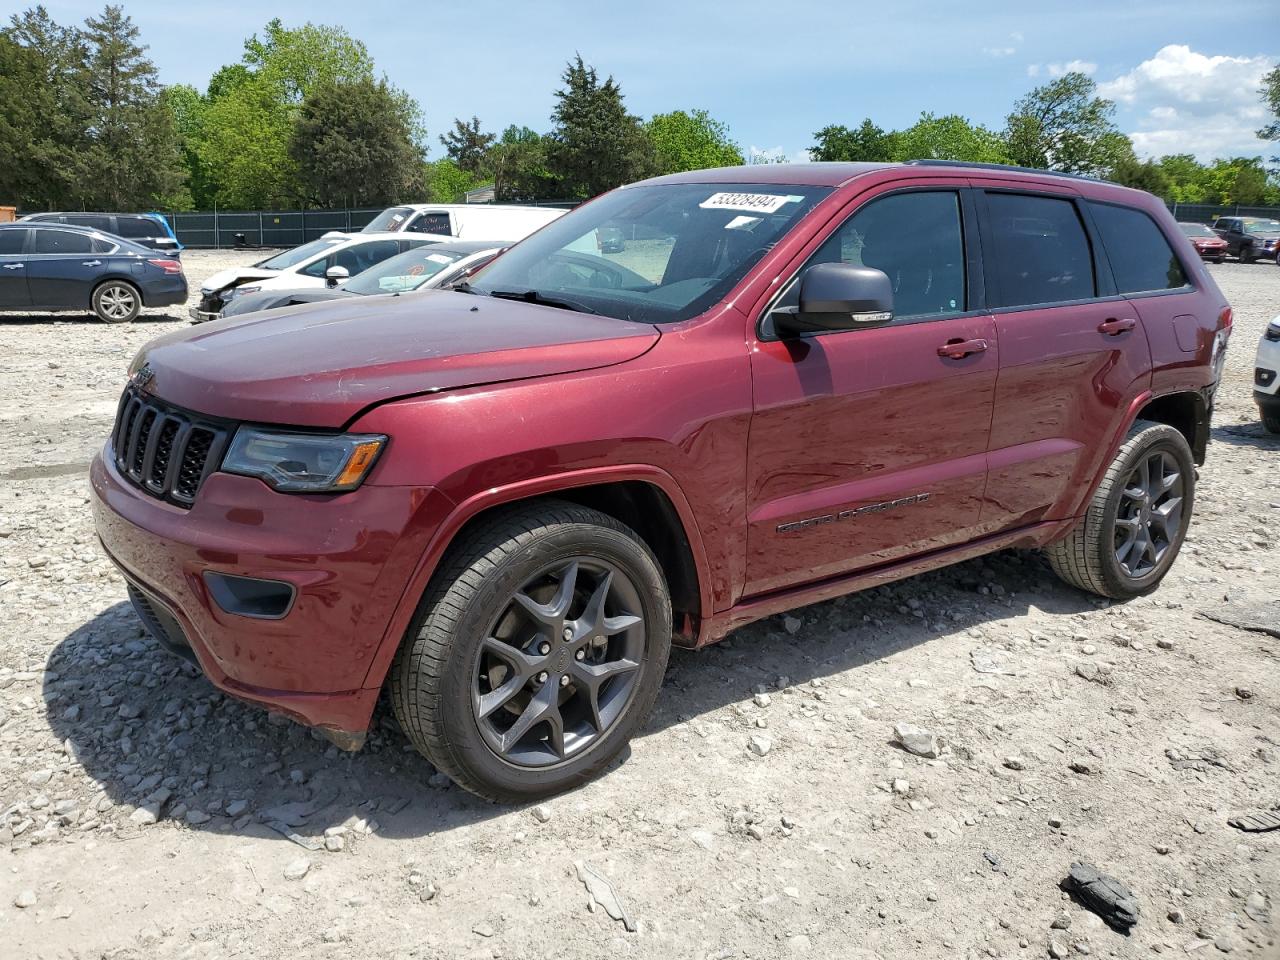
{"x": 752, "y": 202}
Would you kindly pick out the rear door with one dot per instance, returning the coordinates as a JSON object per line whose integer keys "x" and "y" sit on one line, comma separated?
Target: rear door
{"x": 869, "y": 445}
{"x": 62, "y": 269}
{"x": 1073, "y": 353}
{"x": 13, "y": 268}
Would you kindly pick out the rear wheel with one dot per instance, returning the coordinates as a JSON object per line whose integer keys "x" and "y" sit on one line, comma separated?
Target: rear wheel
{"x": 1271, "y": 423}
{"x": 116, "y": 301}
{"x": 1137, "y": 520}
{"x": 537, "y": 652}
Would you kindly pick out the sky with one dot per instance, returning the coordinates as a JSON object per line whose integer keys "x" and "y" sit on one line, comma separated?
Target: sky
{"x": 1184, "y": 74}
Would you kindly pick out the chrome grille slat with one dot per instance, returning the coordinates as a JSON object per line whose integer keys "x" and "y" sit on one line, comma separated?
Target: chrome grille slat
{"x": 165, "y": 451}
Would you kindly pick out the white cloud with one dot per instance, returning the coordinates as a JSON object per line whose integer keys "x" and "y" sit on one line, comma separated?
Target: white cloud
{"x": 1182, "y": 101}
{"x": 776, "y": 154}
{"x": 1059, "y": 69}
{"x": 1004, "y": 50}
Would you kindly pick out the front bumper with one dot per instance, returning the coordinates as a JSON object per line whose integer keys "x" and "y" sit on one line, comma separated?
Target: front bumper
{"x": 201, "y": 316}
{"x": 349, "y": 558}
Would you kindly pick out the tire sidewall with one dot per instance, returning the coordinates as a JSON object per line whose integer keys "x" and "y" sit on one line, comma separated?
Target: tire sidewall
{"x": 1154, "y": 439}
{"x": 563, "y": 543}
{"x": 107, "y": 285}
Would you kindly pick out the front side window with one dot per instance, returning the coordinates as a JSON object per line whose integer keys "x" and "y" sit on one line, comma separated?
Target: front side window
{"x": 1041, "y": 251}
{"x": 63, "y": 241}
{"x": 682, "y": 247}
{"x": 12, "y": 242}
{"x": 916, "y": 239}
{"x": 431, "y": 223}
{"x": 1141, "y": 258}
{"x": 361, "y": 256}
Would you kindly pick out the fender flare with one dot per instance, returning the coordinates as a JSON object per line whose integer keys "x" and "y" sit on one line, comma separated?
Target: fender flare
{"x": 470, "y": 508}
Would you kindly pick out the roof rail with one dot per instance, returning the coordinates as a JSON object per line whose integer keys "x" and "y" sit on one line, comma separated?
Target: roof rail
{"x": 1004, "y": 166}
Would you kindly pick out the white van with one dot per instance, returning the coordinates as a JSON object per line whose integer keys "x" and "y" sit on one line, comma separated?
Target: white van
{"x": 466, "y": 221}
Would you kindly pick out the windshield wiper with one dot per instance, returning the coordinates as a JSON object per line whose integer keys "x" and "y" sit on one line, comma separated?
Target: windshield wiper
{"x": 533, "y": 296}
{"x": 462, "y": 287}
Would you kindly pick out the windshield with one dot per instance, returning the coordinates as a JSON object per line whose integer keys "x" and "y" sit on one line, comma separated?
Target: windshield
{"x": 389, "y": 220}
{"x": 658, "y": 254}
{"x": 399, "y": 274}
{"x": 1260, "y": 225}
{"x": 290, "y": 258}
{"x": 1196, "y": 230}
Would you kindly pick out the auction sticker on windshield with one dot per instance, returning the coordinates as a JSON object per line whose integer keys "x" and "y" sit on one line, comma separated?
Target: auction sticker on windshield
{"x": 755, "y": 202}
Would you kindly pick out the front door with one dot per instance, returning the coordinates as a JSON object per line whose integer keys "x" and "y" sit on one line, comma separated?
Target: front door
{"x": 62, "y": 269}
{"x": 13, "y": 268}
{"x": 1073, "y": 354}
{"x": 869, "y": 445}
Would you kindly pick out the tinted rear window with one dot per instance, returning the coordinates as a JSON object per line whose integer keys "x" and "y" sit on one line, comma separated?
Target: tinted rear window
{"x": 138, "y": 227}
{"x": 1140, "y": 256}
{"x": 1041, "y": 251}
{"x": 95, "y": 221}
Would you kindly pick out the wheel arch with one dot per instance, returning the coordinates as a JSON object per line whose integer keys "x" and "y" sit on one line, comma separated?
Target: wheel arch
{"x": 118, "y": 277}
{"x": 1186, "y": 411}
{"x": 645, "y": 498}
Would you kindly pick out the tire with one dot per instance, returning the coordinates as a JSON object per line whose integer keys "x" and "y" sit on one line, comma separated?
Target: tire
{"x": 446, "y": 674}
{"x": 1271, "y": 424}
{"x": 1246, "y": 255}
{"x": 116, "y": 301}
{"x": 1088, "y": 557}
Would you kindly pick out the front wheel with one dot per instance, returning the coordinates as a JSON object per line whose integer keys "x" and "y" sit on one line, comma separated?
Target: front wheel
{"x": 1137, "y": 520}
{"x": 537, "y": 652}
{"x": 116, "y": 302}
{"x": 1271, "y": 423}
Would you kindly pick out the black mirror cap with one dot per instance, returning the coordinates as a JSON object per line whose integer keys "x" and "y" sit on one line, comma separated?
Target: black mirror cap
{"x": 837, "y": 296}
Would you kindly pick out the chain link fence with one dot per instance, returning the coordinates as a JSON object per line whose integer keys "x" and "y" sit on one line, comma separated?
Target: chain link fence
{"x": 1208, "y": 212}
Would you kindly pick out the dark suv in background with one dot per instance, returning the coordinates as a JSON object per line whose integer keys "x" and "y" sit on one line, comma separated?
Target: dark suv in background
{"x": 147, "y": 229}
{"x": 506, "y": 501}
{"x": 1250, "y": 238}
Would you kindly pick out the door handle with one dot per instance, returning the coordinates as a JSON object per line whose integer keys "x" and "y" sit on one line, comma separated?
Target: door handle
{"x": 1113, "y": 327}
{"x": 959, "y": 349}
{"x": 91, "y": 263}
{"x": 13, "y": 266}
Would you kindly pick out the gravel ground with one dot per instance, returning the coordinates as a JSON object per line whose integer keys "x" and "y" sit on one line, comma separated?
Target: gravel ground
{"x": 764, "y": 812}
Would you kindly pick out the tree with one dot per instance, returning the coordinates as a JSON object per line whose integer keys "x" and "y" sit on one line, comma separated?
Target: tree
{"x": 867, "y": 143}
{"x": 133, "y": 155}
{"x": 1142, "y": 175}
{"x": 467, "y": 146}
{"x": 446, "y": 182}
{"x": 244, "y": 147}
{"x": 26, "y": 103}
{"x": 189, "y": 110}
{"x": 353, "y": 145}
{"x": 691, "y": 141}
{"x": 951, "y": 137}
{"x": 294, "y": 61}
{"x": 595, "y": 144}
{"x": 1271, "y": 98}
{"x": 1064, "y": 126}
{"x": 518, "y": 162}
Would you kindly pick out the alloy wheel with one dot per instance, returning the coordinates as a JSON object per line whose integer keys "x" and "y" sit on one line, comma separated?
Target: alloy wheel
{"x": 117, "y": 301}
{"x": 1149, "y": 519}
{"x": 560, "y": 663}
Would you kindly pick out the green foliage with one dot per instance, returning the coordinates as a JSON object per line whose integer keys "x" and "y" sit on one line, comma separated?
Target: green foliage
{"x": 84, "y": 124}
{"x": 518, "y": 162}
{"x": 1064, "y": 126}
{"x": 353, "y": 146}
{"x": 244, "y": 147}
{"x": 1271, "y": 98}
{"x": 446, "y": 182}
{"x": 1141, "y": 175}
{"x": 467, "y": 146}
{"x": 868, "y": 143}
{"x": 691, "y": 141}
{"x": 293, "y": 62}
{"x": 946, "y": 138}
{"x": 595, "y": 144}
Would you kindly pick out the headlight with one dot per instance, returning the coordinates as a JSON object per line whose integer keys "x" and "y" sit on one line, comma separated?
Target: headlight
{"x": 303, "y": 462}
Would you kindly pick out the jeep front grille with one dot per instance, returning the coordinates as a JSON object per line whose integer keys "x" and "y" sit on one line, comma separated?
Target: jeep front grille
{"x": 166, "y": 451}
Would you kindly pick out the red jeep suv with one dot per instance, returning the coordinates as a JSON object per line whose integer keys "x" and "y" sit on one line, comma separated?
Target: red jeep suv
{"x": 505, "y": 501}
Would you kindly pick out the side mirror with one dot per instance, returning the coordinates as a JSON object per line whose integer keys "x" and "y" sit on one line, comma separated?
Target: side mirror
{"x": 837, "y": 296}
{"x": 335, "y": 275}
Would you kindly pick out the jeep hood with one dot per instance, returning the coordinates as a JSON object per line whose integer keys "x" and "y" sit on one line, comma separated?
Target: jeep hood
{"x": 319, "y": 364}
{"x": 234, "y": 276}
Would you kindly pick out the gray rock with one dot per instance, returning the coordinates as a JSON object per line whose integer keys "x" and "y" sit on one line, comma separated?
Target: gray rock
{"x": 237, "y": 807}
{"x": 297, "y": 869}
{"x": 917, "y": 740}
{"x": 25, "y": 899}
{"x": 197, "y": 817}
{"x": 541, "y": 813}
{"x": 759, "y": 745}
